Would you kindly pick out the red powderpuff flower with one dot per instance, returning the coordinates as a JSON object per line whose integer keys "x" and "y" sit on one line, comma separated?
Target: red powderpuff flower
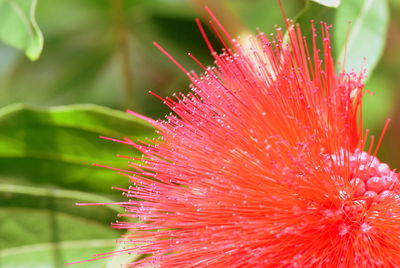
{"x": 264, "y": 164}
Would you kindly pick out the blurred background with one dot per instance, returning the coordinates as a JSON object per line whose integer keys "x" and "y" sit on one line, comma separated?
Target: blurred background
{"x": 97, "y": 61}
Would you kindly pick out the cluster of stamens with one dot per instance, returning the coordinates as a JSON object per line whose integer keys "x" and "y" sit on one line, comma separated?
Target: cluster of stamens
{"x": 371, "y": 180}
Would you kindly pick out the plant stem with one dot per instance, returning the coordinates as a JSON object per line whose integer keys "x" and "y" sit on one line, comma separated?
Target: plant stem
{"x": 122, "y": 47}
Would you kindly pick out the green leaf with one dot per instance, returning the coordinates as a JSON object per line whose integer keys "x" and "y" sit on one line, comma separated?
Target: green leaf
{"x": 53, "y": 145}
{"x": 264, "y": 15}
{"x": 165, "y": 8}
{"x": 395, "y": 3}
{"x": 42, "y": 255}
{"x": 18, "y": 26}
{"x": 316, "y": 13}
{"x": 366, "y": 39}
{"x": 121, "y": 259}
{"x": 383, "y": 96}
{"x": 328, "y": 3}
{"x": 60, "y": 193}
{"x": 58, "y": 145}
{"x": 42, "y": 227}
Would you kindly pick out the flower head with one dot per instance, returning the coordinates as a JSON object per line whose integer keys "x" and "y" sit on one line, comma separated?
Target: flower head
{"x": 264, "y": 164}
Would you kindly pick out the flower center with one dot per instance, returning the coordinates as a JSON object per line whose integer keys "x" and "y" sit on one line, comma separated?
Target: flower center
{"x": 370, "y": 179}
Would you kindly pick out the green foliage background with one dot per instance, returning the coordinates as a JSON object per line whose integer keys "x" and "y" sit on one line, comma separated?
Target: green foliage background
{"x": 92, "y": 59}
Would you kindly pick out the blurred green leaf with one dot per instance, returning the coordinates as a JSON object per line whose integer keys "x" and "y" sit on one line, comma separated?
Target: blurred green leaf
{"x": 165, "y": 8}
{"x": 42, "y": 255}
{"x": 314, "y": 13}
{"x": 328, "y": 3}
{"x": 121, "y": 259}
{"x": 366, "y": 38}
{"x": 263, "y": 14}
{"x": 18, "y": 26}
{"x": 82, "y": 64}
{"x": 60, "y": 193}
{"x": 383, "y": 96}
{"x": 58, "y": 146}
{"x": 42, "y": 227}
{"x": 395, "y": 2}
